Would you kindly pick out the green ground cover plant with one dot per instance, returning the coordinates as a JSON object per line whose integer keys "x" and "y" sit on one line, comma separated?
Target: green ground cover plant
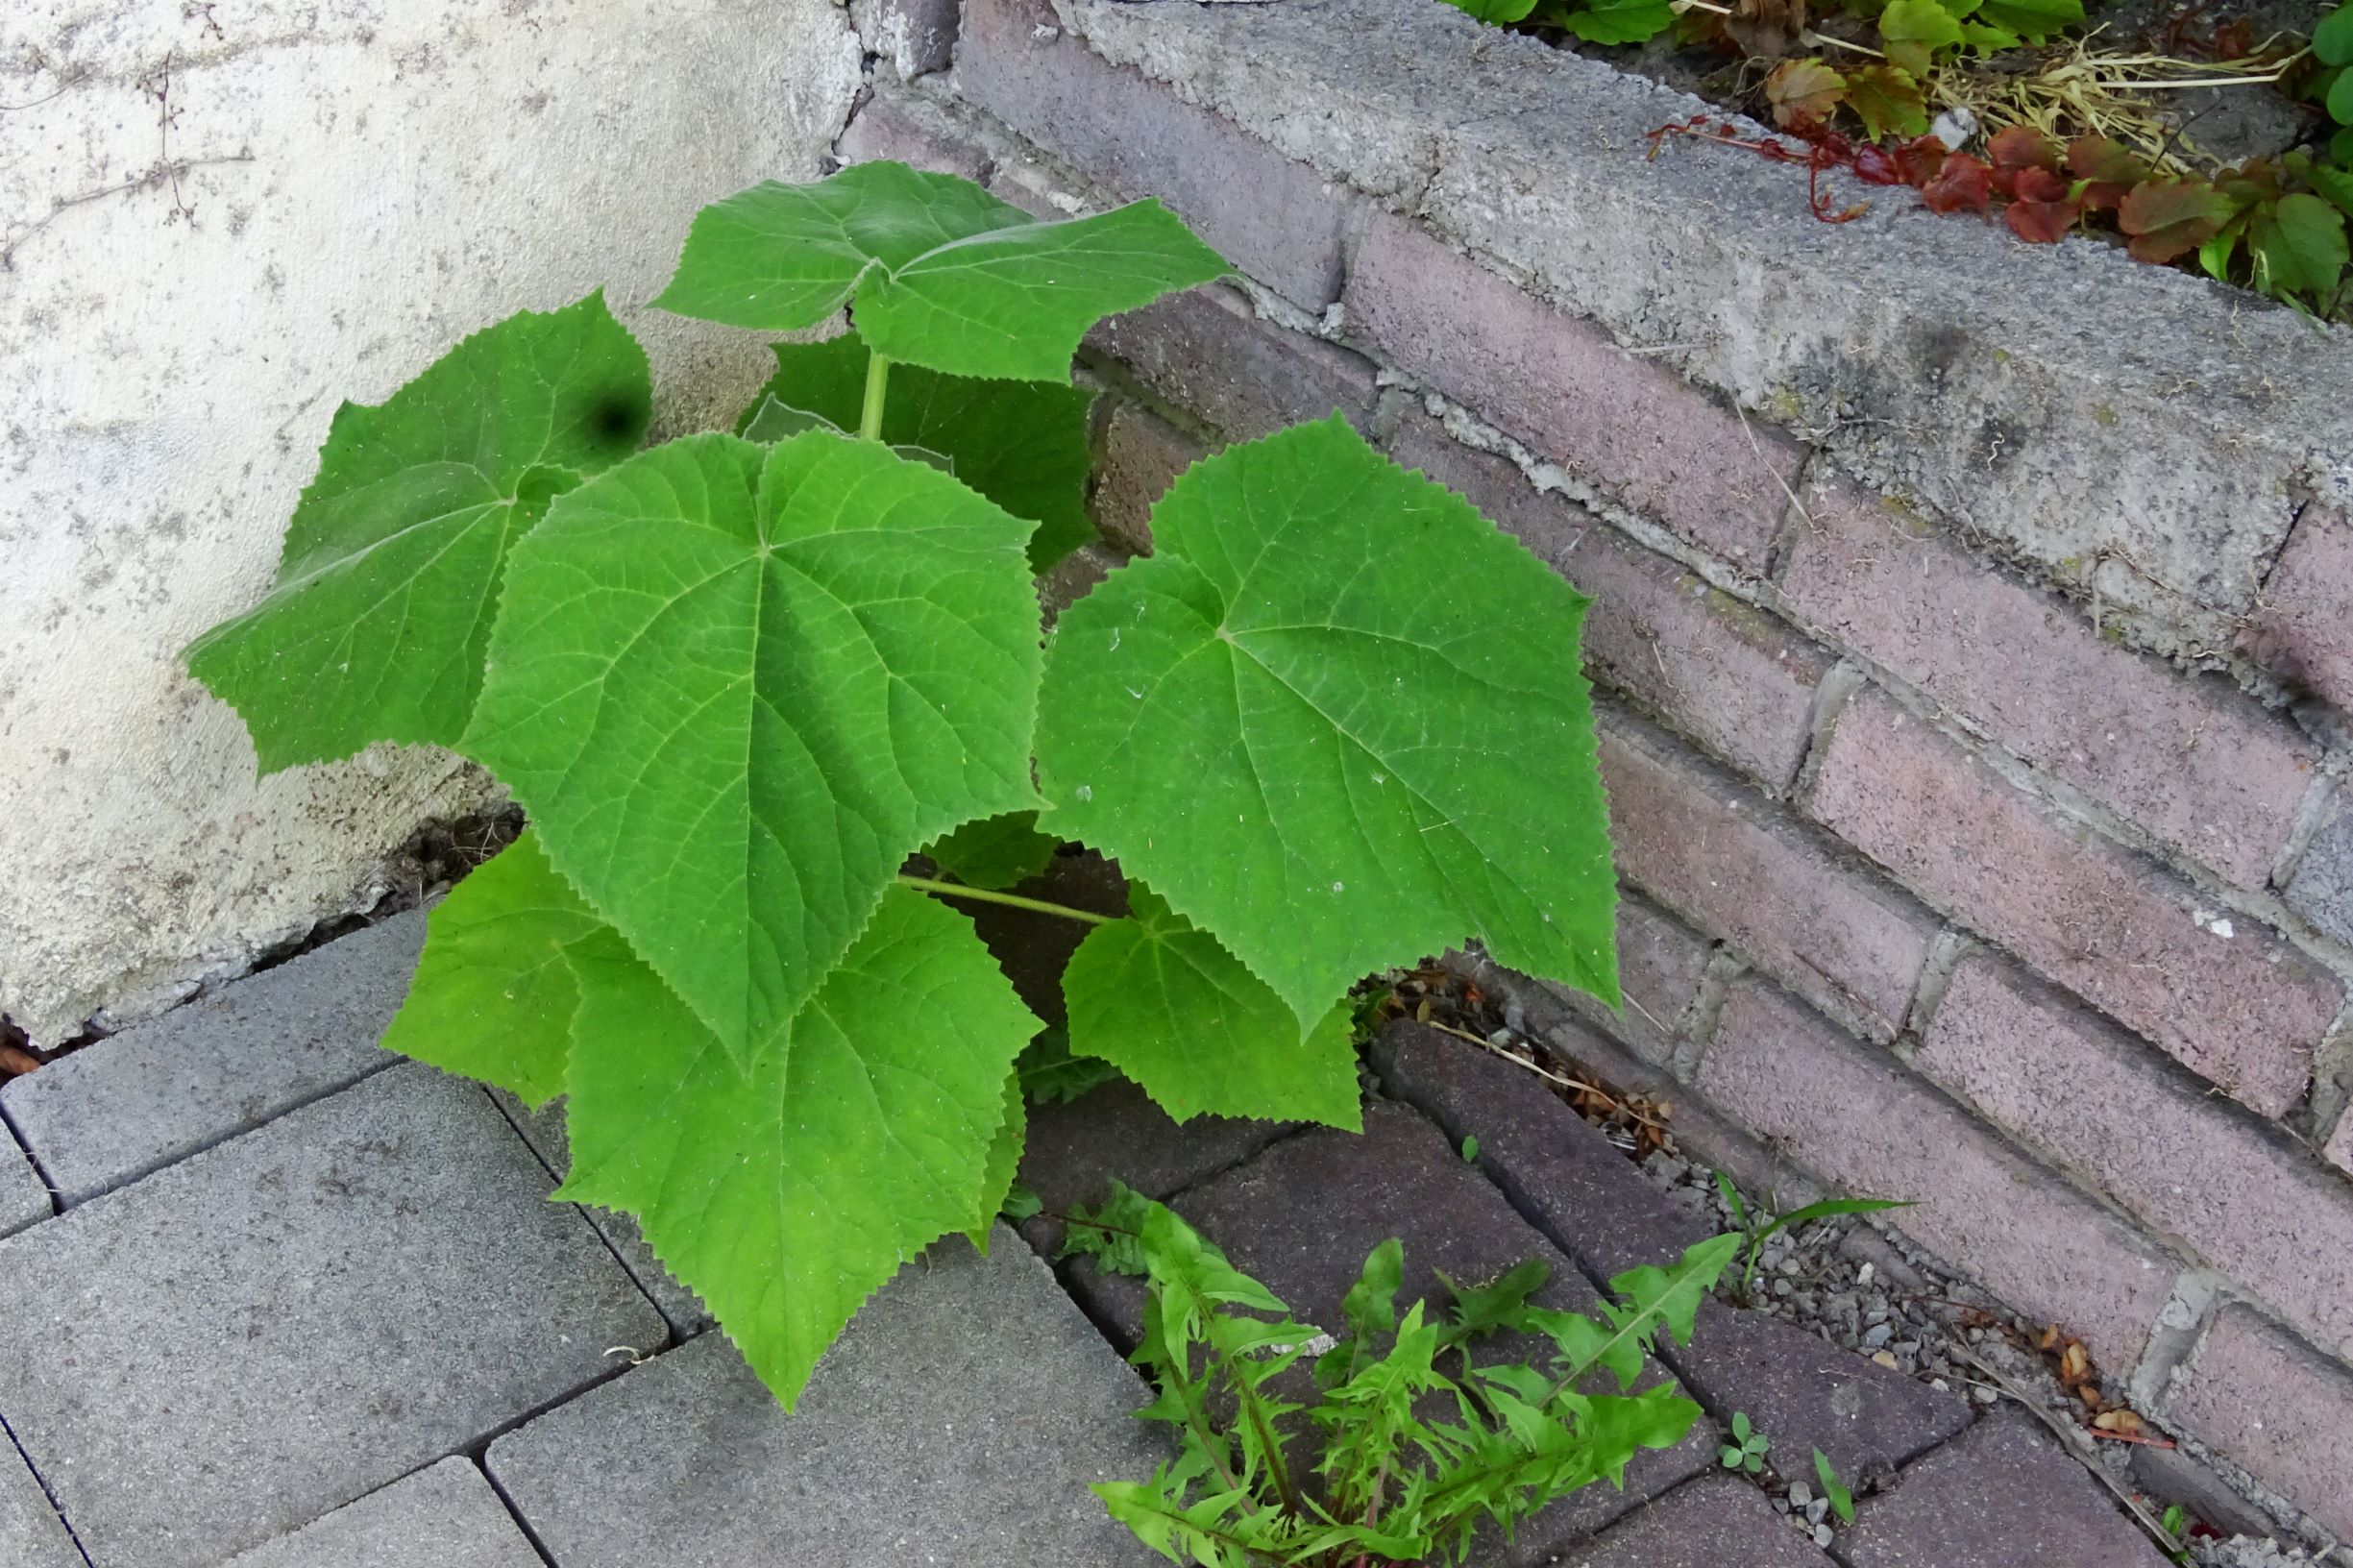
{"x": 1415, "y": 1443}
{"x": 741, "y": 681}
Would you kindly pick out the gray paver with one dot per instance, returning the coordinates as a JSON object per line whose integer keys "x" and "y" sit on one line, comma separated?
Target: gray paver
{"x": 960, "y": 1420}
{"x": 24, "y": 1198}
{"x": 162, "y": 1089}
{"x": 1712, "y": 1523}
{"x": 284, "y": 1322}
{"x": 1300, "y": 1216}
{"x": 443, "y": 1516}
{"x": 1594, "y": 1203}
{"x": 31, "y": 1534}
{"x": 543, "y": 1130}
{"x": 2004, "y": 1495}
{"x": 1076, "y": 1151}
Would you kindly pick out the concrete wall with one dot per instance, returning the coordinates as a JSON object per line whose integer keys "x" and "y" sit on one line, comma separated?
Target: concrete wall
{"x": 1958, "y": 870}
{"x": 216, "y": 221}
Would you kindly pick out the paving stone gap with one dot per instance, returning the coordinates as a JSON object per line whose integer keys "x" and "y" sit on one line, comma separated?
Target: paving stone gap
{"x": 273, "y": 1328}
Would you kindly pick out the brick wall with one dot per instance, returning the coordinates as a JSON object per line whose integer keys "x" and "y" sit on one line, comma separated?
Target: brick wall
{"x": 1934, "y": 883}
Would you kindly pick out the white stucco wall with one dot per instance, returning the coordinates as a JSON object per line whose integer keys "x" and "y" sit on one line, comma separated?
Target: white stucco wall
{"x": 365, "y": 182}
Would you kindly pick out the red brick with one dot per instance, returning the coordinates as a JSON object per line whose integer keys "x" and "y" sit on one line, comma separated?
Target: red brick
{"x": 1278, "y": 221}
{"x": 2302, "y": 631}
{"x": 2243, "y": 1009}
{"x": 1561, "y": 386}
{"x": 2193, "y": 759}
{"x": 2125, "y": 1123}
{"x": 2278, "y": 1408}
{"x": 1206, "y": 350}
{"x": 1734, "y": 865}
{"x": 1739, "y": 681}
{"x": 1864, "y": 1121}
{"x": 913, "y": 132}
{"x": 1142, "y": 455}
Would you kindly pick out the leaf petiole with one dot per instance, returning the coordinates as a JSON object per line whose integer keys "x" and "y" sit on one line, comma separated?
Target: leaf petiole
{"x": 878, "y": 378}
{"x": 990, "y": 896}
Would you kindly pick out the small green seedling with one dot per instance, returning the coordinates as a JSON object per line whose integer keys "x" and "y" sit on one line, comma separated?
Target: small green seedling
{"x": 1470, "y": 1151}
{"x": 1757, "y": 1228}
{"x": 1747, "y": 1451}
{"x": 1842, "y": 1498}
{"x": 1396, "y": 1481}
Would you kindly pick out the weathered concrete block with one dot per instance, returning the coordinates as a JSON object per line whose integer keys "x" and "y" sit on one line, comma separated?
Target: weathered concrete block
{"x": 1714, "y": 1522}
{"x": 364, "y": 187}
{"x": 288, "y": 1321}
{"x": 1206, "y": 349}
{"x": 2001, "y": 1496}
{"x": 1143, "y": 456}
{"x": 2196, "y": 762}
{"x": 2299, "y": 629}
{"x": 1738, "y": 866}
{"x": 25, "y": 1198}
{"x": 1278, "y": 220}
{"x": 2277, "y": 1408}
{"x": 959, "y": 1420}
{"x": 2251, "y": 1201}
{"x": 1653, "y": 443}
{"x": 223, "y": 1064}
{"x": 2223, "y": 996}
{"x": 1592, "y": 1203}
{"x": 543, "y": 1129}
{"x": 443, "y": 1516}
{"x": 1739, "y": 681}
{"x": 2322, "y": 890}
{"x": 1865, "y": 1121}
{"x": 32, "y": 1535}
{"x": 1116, "y": 1132}
{"x": 913, "y": 37}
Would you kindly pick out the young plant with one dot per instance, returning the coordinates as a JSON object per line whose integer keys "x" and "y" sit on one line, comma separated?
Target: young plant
{"x": 1756, "y": 1227}
{"x": 1746, "y": 1450}
{"x": 1840, "y": 1494}
{"x": 738, "y": 680}
{"x": 1412, "y": 1457}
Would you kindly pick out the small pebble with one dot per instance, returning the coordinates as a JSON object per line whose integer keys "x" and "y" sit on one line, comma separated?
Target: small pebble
{"x": 1984, "y": 1395}
{"x": 1822, "y": 1534}
{"x": 1817, "y": 1510}
{"x": 1876, "y": 1336}
{"x": 1800, "y": 1494}
{"x": 1885, "y": 1360}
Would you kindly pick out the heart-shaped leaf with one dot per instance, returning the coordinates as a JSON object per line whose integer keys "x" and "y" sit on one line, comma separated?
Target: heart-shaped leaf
{"x": 1178, "y": 1013}
{"x": 1888, "y": 101}
{"x": 737, "y": 685}
{"x": 2299, "y": 246}
{"x": 2167, "y": 218}
{"x": 1022, "y": 444}
{"x": 1805, "y": 91}
{"x": 939, "y": 272}
{"x": 787, "y": 1196}
{"x": 1914, "y": 31}
{"x": 1337, "y": 720}
{"x": 385, "y": 592}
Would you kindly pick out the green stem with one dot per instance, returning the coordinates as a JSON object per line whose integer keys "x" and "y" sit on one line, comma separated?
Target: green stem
{"x": 1014, "y": 900}
{"x": 877, "y": 377}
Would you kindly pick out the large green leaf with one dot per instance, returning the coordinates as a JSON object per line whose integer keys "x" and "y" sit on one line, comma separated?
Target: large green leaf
{"x": 994, "y": 852}
{"x": 787, "y": 1196}
{"x": 1337, "y": 720}
{"x": 2033, "y": 20}
{"x": 941, "y": 273}
{"x": 377, "y": 626}
{"x": 737, "y": 685}
{"x": 1022, "y": 444}
{"x": 1178, "y": 1013}
{"x": 493, "y": 996}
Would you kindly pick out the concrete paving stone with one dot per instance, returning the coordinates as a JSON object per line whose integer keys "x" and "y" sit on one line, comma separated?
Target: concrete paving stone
{"x": 2003, "y": 1495}
{"x": 1301, "y": 1216}
{"x": 282, "y": 1323}
{"x": 1595, "y": 1205}
{"x": 543, "y": 1129}
{"x": 1116, "y": 1132}
{"x": 1714, "y": 1522}
{"x": 443, "y": 1516}
{"x": 32, "y": 1535}
{"x": 24, "y": 1196}
{"x": 223, "y": 1064}
{"x": 960, "y": 1420}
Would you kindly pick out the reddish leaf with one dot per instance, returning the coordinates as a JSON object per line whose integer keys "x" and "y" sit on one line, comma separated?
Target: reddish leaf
{"x": 2022, "y": 147}
{"x": 2108, "y": 171}
{"x": 2040, "y": 186}
{"x": 2040, "y": 223}
{"x": 1964, "y": 185}
{"x": 2165, "y": 219}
